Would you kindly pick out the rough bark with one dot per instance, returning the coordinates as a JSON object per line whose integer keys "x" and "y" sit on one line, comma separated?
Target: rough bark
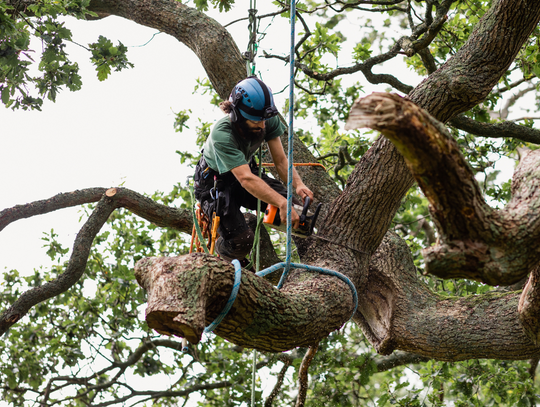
{"x": 529, "y": 307}
{"x": 476, "y": 241}
{"x": 186, "y": 293}
{"x": 414, "y": 319}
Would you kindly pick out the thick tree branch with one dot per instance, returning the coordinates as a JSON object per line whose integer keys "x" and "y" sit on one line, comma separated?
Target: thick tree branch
{"x": 402, "y": 313}
{"x": 74, "y": 270}
{"x": 529, "y": 306}
{"x": 60, "y": 201}
{"x": 186, "y": 293}
{"x": 160, "y": 215}
{"x": 109, "y": 200}
{"x": 496, "y": 130}
{"x": 478, "y": 242}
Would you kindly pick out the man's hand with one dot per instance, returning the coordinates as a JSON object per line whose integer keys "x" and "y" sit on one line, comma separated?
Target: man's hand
{"x": 304, "y": 191}
{"x": 295, "y": 219}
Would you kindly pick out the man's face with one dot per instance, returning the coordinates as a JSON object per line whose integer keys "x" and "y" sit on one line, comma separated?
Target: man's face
{"x": 251, "y": 128}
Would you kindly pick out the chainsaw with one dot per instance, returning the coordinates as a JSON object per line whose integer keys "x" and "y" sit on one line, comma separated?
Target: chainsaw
{"x": 307, "y": 219}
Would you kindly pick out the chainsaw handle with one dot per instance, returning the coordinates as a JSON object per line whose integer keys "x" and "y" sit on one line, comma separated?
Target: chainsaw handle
{"x": 303, "y": 217}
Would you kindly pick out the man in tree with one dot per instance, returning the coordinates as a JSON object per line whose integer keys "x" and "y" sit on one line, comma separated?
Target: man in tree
{"x": 227, "y": 166}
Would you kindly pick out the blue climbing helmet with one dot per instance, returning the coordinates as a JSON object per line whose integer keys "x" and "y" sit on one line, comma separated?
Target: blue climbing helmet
{"x": 252, "y": 100}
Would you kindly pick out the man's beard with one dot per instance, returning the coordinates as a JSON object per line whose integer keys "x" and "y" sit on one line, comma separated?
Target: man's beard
{"x": 249, "y": 133}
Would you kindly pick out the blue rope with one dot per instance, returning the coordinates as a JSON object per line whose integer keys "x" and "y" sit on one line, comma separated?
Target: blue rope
{"x": 232, "y": 297}
{"x": 290, "y": 149}
{"x": 321, "y": 270}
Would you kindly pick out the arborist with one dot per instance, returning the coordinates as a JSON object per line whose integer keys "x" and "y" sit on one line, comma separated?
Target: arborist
{"x": 227, "y": 177}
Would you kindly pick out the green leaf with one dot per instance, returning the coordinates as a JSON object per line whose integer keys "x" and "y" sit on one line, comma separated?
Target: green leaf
{"x": 5, "y": 95}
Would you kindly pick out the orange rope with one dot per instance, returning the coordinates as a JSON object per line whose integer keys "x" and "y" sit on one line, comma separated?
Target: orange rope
{"x": 298, "y": 165}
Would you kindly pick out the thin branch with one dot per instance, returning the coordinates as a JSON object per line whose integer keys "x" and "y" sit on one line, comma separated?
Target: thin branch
{"x": 74, "y": 270}
{"x": 364, "y": 67}
{"x": 496, "y": 130}
{"x": 281, "y": 376}
{"x": 159, "y": 394}
{"x": 276, "y": 13}
{"x": 398, "y": 358}
{"x": 513, "y": 99}
{"x": 303, "y": 374}
{"x": 513, "y": 85}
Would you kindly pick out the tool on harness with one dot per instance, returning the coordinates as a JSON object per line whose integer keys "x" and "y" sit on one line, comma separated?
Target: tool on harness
{"x": 215, "y": 217}
{"x": 208, "y": 226}
{"x": 307, "y": 219}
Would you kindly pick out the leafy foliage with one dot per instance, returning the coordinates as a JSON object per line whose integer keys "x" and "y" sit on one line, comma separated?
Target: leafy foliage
{"x": 20, "y": 32}
{"x": 106, "y": 56}
{"x": 90, "y": 344}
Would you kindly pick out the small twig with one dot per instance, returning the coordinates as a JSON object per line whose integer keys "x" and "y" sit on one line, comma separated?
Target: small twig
{"x": 303, "y": 374}
{"x": 270, "y": 399}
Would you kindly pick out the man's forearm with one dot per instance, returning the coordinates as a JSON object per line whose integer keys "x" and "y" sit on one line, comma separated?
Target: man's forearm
{"x": 261, "y": 190}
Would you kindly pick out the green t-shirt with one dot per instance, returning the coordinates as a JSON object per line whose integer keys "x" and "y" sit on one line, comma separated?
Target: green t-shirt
{"x": 225, "y": 149}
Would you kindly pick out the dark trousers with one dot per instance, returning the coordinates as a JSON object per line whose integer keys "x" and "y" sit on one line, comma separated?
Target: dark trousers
{"x": 236, "y": 238}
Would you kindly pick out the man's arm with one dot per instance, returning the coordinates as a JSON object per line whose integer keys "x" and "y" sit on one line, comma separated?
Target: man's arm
{"x": 280, "y": 161}
{"x": 261, "y": 190}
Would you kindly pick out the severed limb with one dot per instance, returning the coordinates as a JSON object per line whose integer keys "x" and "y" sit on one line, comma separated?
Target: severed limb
{"x": 529, "y": 306}
{"x": 187, "y": 293}
{"x": 476, "y": 241}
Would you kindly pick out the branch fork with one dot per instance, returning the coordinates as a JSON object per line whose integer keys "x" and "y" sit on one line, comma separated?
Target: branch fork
{"x": 476, "y": 241}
